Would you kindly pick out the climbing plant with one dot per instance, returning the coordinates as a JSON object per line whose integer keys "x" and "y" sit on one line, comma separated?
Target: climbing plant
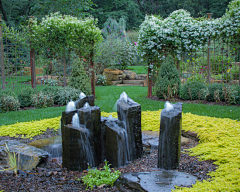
{"x": 179, "y": 33}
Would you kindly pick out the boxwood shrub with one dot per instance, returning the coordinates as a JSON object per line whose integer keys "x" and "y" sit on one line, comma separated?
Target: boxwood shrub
{"x": 193, "y": 87}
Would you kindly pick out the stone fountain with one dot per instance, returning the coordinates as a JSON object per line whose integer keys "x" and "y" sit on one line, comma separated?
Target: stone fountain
{"x": 170, "y": 136}
{"x": 89, "y": 139}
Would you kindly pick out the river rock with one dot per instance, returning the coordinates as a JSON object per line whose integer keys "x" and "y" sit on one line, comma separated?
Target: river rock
{"x": 129, "y": 74}
{"x": 28, "y": 157}
{"x": 154, "y": 181}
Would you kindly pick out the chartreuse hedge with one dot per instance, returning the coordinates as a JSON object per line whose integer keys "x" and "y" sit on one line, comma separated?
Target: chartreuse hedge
{"x": 219, "y": 141}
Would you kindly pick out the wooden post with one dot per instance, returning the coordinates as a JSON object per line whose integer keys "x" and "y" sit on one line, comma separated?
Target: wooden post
{"x": 2, "y": 55}
{"x": 92, "y": 74}
{"x": 32, "y": 58}
{"x": 149, "y": 82}
{"x": 33, "y": 68}
{"x": 208, "y": 53}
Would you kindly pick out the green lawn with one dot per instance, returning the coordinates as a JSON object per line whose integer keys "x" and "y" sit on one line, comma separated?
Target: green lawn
{"x": 138, "y": 69}
{"x": 106, "y": 97}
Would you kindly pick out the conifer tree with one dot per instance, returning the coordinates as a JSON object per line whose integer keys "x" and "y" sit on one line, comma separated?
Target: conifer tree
{"x": 168, "y": 80}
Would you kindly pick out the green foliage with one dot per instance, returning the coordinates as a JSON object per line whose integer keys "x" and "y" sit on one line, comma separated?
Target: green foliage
{"x": 57, "y": 33}
{"x": 12, "y": 159}
{"x": 116, "y": 9}
{"x": 192, "y": 90}
{"x": 212, "y": 88}
{"x": 101, "y": 80}
{"x": 96, "y": 177}
{"x": 9, "y": 103}
{"x": 116, "y": 51}
{"x": 7, "y": 93}
{"x": 25, "y": 96}
{"x": 41, "y": 99}
{"x": 17, "y": 12}
{"x": 237, "y": 89}
{"x": 66, "y": 94}
{"x": 79, "y": 79}
{"x": 168, "y": 79}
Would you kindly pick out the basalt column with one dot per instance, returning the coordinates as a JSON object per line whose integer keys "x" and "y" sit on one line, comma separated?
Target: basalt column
{"x": 90, "y": 117}
{"x": 130, "y": 113}
{"x": 170, "y": 137}
{"x": 116, "y": 143}
{"x": 79, "y": 152}
{"x": 65, "y": 120}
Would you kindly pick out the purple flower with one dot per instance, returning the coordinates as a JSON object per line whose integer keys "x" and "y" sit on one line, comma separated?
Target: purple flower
{"x": 115, "y": 27}
{"x": 108, "y": 26}
{"x": 109, "y": 29}
{"x": 120, "y": 31}
{"x": 135, "y": 43}
{"x": 112, "y": 52}
{"x": 6, "y": 82}
{"x": 119, "y": 63}
{"x": 116, "y": 37}
{"x": 103, "y": 30}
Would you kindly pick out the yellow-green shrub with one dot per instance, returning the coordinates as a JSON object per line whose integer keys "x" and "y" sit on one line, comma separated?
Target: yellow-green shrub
{"x": 29, "y": 129}
{"x": 219, "y": 141}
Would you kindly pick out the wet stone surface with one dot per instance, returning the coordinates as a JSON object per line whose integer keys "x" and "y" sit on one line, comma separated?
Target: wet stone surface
{"x": 155, "y": 181}
{"x": 52, "y": 177}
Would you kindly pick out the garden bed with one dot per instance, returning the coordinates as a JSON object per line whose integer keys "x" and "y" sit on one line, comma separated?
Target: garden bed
{"x": 52, "y": 177}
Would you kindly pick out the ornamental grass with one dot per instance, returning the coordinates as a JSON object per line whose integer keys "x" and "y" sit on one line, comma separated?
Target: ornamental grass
{"x": 219, "y": 141}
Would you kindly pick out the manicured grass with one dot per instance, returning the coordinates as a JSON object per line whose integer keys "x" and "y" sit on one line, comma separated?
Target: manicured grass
{"x": 138, "y": 69}
{"x": 106, "y": 97}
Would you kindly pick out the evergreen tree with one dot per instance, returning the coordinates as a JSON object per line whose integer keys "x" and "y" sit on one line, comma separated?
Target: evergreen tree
{"x": 79, "y": 79}
{"x": 168, "y": 80}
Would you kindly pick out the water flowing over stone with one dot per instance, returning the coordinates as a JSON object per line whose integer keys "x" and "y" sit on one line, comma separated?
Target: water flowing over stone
{"x": 70, "y": 106}
{"x": 77, "y": 148}
{"x": 90, "y": 117}
{"x": 170, "y": 137}
{"x": 117, "y": 150}
{"x": 130, "y": 114}
{"x": 97, "y": 138}
{"x": 82, "y": 95}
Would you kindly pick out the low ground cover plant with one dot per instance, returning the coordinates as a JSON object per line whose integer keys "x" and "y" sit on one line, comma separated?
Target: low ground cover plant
{"x": 96, "y": 177}
{"x": 218, "y": 141}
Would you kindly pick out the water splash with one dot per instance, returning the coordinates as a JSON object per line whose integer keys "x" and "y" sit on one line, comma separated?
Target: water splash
{"x": 87, "y": 106}
{"x": 75, "y": 121}
{"x": 124, "y": 97}
{"x": 82, "y": 95}
{"x": 70, "y": 106}
{"x": 168, "y": 106}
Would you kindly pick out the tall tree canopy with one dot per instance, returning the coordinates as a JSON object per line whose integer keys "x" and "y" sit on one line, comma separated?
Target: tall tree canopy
{"x": 16, "y": 12}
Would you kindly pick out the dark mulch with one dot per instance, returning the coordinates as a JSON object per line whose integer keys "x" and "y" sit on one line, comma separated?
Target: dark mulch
{"x": 52, "y": 177}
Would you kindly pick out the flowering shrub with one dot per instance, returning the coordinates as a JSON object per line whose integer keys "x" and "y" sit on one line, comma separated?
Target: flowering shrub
{"x": 56, "y": 33}
{"x": 181, "y": 33}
